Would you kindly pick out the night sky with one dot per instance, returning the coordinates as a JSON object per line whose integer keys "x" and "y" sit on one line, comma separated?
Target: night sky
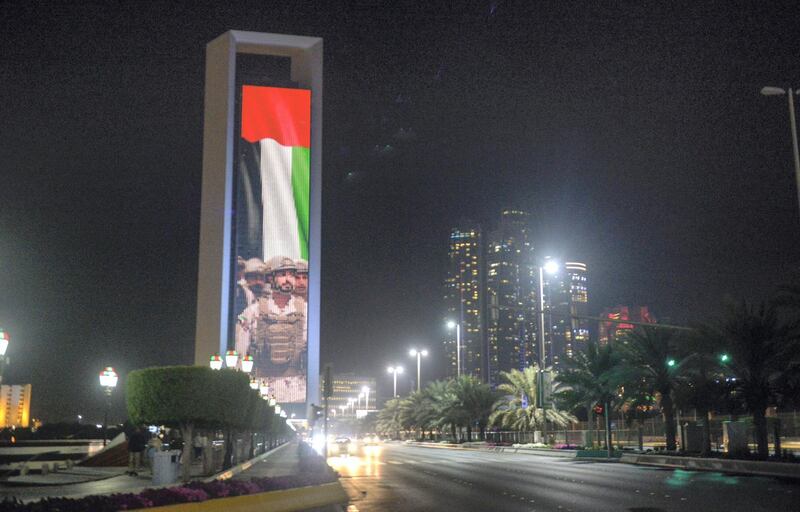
{"x": 634, "y": 134}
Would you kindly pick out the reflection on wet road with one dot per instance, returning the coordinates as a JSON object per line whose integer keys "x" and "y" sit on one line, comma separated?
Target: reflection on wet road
{"x": 396, "y": 477}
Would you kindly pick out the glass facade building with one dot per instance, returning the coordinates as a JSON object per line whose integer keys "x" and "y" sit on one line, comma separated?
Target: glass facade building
{"x": 511, "y": 296}
{"x": 566, "y": 306}
{"x": 464, "y": 298}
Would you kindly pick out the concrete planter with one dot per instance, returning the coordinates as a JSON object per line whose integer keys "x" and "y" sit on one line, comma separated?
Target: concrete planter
{"x": 287, "y": 500}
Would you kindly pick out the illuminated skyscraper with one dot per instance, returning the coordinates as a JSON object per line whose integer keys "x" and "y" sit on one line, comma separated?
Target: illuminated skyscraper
{"x": 511, "y": 291}
{"x": 566, "y": 297}
{"x": 464, "y": 301}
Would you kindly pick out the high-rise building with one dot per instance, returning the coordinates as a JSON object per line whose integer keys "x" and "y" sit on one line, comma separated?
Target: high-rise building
{"x": 566, "y": 306}
{"x": 511, "y": 296}
{"x": 609, "y": 332}
{"x": 15, "y": 406}
{"x": 464, "y": 301}
{"x": 347, "y": 387}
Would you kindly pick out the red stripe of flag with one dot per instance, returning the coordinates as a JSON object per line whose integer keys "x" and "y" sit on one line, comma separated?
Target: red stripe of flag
{"x": 276, "y": 113}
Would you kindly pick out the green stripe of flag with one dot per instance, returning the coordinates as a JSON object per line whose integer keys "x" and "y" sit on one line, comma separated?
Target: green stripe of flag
{"x": 300, "y": 190}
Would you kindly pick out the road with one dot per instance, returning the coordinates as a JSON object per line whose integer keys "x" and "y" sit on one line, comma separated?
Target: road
{"x": 396, "y": 477}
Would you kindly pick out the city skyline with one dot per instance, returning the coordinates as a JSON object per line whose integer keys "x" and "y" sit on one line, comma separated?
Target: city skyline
{"x": 635, "y": 136}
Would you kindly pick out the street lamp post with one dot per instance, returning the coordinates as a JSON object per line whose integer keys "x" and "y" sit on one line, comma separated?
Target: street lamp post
{"x": 419, "y": 354}
{"x": 4, "y": 341}
{"x": 365, "y": 390}
{"x": 394, "y": 370}
{"x": 108, "y": 379}
{"x": 777, "y": 91}
{"x": 551, "y": 267}
{"x": 457, "y": 326}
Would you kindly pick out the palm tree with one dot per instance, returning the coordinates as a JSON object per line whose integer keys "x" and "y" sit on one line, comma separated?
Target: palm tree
{"x": 522, "y": 386}
{"x": 475, "y": 399}
{"x": 446, "y": 408}
{"x": 593, "y": 376}
{"x": 650, "y": 355}
{"x": 761, "y": 349}
{"x": 389, "y": 418}
{"x": 700, "y": 384}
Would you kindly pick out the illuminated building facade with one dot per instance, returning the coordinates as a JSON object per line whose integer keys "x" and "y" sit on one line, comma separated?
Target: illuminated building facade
{"x": 15, "y": 406}
{"x": 348, "y": 386}
{"x": 511, "y": 296}
{"x": 610, "y": 332}
{"x": 464, "y": 301}
{"x": 566, "y": 300}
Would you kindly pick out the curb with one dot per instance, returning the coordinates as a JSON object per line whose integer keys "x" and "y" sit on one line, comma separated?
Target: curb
{"x": 235, "y": 470}
{"x": 738, "y": 467}
{"x": 289, "y": 500}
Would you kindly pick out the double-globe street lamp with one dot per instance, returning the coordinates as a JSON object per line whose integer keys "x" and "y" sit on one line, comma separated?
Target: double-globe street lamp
{"x": 108, "y": 380}
{"x": 365, "y": 390}
{"x": 789, "y": 92}
{"x": 419, "y": 354}
{"x": 395, "y": 370}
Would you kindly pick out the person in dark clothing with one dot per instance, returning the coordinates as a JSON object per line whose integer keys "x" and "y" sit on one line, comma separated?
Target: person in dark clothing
{"x": 137, "y": 442}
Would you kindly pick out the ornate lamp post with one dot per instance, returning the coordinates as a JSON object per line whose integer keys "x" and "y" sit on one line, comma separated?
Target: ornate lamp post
{"x": 108, "y": 379}
{"x": 231, "y": 359}
{"x": 247, "y": 364}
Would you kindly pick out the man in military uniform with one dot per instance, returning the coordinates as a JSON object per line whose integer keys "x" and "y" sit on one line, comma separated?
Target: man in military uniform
{"x": 280, "y": 334}
{"x": 254, "y": 287}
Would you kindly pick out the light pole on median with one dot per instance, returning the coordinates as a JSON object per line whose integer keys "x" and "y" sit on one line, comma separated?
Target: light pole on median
{"x": 394, "y": 370}
{"x": 451, "y": 324}
{"x": 777, "y": 91}
{"x": 551, "y": 267}
{"x": 418, "y": 354}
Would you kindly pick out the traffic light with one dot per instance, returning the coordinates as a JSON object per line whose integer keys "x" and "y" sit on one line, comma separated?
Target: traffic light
{"x": 316, "y": 414}
{"x": 671, "y": 362}
{"x": 598, "y": 409}
{"x": 724, "y": 358}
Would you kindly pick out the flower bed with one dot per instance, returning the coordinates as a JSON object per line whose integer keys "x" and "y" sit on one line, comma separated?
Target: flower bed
{"x": 313, "y": 471}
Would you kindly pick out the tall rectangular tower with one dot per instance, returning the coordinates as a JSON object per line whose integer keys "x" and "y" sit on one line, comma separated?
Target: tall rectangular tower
{"x": 566, "y": 306}
{"x": 511, "y": 296}
{"x": 464, "y": 302}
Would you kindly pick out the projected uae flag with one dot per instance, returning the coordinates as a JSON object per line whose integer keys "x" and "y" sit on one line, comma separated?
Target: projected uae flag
{"x": 272, "y": 232}
{"x": 279, "y": 121}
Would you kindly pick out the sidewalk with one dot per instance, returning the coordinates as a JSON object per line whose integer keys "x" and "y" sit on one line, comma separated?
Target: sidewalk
{"x": 283, "y": 461}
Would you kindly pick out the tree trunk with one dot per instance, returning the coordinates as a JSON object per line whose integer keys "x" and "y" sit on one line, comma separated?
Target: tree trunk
{"x": 777, "y": 433}
{"x": 483, "y": 431}
{"x": 705, "y": 451}
{"x": 640, "y": 428}
{"x": 228, "y": 450}
{"x": 760, "y": 424}
{"x": 469, "y": 432}
{"x": 609, "y": 444}
{"x": 187, "y": 432}
{"x": 668, "y": 411}
{"x": 453, "y": 432}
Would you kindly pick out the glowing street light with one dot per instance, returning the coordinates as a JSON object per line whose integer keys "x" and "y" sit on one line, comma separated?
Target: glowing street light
{"x": 108, "y": 380}
{"x": 247, "y": 364}
{"x": 457, "y": 326}
{"x": 264, "y": 388}
{"x": 550, "y": 266}
{"x": 418, "y": 353}
{"x": 215, "y": 362}
{"x": 231, "y": 358}
{"x": 4, "y": 340}
{"x": 253, "y": 383}
{"x": 395, "y": 370}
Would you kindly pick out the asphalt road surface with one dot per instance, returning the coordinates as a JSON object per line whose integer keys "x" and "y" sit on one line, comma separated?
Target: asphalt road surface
{"x": 396, "y": 477}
